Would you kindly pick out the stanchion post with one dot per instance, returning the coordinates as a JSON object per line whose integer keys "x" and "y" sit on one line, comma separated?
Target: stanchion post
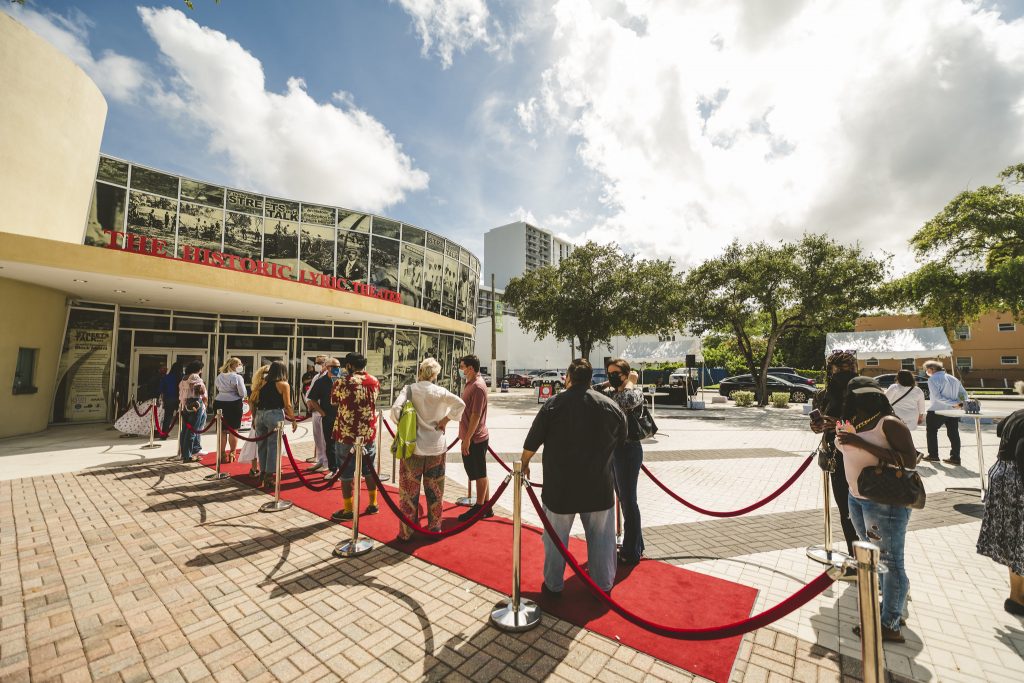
{"x": 394, "y": 454}
{"x": 380, "y": 443}
{"x": 181, "y": 434}
{"x": 218, "y": 475}
{"x": 152, "y": 430}
{"x": 867, "y": 555}
{"x": 277, "y": 504}
{"x": 825, "y": 553}
{"x": 519, "y": 614}
{"x": 618, "y": 522}
{"x": 355, "y": 546}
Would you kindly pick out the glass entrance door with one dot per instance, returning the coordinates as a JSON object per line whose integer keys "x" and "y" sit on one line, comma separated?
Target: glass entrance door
{"x": 149, "y": 366}
{"x": 252, "y": 359}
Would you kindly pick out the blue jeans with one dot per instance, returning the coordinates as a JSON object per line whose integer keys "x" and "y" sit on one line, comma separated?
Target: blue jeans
{"x": 265, "y": 422}
{"x": 886, "y": 527}
{"x": 627, "y": 460}
{"x": 188, "y": 439}
{"x": 599, "y": 528}
{"x": 349, "y": 470}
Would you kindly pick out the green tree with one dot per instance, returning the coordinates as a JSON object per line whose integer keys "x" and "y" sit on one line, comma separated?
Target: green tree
{"x": 595, "y": 293}
{"x": 763, "y": 291}
{"x": 721, "y": 351}
{"x": 972, "y": 255}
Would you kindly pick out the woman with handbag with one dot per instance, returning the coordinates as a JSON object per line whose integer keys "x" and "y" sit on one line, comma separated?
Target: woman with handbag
{"x": 879, "y": 458}
{"x": 627, "y": 459}
{"x": 907, "y": 399}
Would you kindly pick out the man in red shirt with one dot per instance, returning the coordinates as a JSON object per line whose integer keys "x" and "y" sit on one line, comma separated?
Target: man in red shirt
{"x": 473, "y": 432}
{"x": 356, "y": 398}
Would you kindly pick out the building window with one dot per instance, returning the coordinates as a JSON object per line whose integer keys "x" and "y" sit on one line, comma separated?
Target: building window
{"x": 1008, "y": 360}
{"x": 964, "y": 363}
{"x": 1007, "y": 327}
{"x": 871, "y": 362}
{"x": 907, "y": 364}
{"x": 962, "y": 332}
{"x": 25, "y": 372}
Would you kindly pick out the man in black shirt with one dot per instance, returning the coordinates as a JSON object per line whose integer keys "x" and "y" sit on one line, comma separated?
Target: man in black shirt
{"x": 319, "y": 400}
{"x": 579, "y": 429}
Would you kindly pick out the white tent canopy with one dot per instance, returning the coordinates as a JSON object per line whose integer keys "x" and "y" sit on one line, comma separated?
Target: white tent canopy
{"x": 647, "y": 350}
{"x": 921, "y": 342}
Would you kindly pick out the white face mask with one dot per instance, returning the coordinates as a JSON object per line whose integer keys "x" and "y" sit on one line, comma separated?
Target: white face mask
{"x": 240, "y": 370}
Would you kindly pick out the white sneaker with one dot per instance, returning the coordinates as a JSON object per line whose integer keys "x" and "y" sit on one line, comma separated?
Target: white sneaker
{"x": 315, "y": 468}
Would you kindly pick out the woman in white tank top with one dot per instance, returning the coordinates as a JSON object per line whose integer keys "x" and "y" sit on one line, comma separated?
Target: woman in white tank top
{"x": 870, "y": 433}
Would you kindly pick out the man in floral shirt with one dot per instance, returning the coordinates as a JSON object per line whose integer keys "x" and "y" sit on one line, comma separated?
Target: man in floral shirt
{"x": 356, "y": 398}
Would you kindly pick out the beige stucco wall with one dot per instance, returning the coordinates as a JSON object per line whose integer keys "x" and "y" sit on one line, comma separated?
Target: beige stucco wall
{"x": 52, "y": 116}
{"x": 34, "y": 319}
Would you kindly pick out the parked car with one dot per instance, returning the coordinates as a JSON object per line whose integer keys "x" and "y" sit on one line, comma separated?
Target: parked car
{"x": 798, "y": 393}
{"x": 487, "y": 379}
{"x": 599, "y": 377}
{"x": 556, "y": 377}
{"x": 794, "y": 378}
{"x": 516, "y": 380}
{"x": 887, "y": 380}
{"x": 685, "y": 377}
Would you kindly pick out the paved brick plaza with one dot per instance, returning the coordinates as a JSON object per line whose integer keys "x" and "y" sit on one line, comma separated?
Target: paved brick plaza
{"x": 134, "y": 568}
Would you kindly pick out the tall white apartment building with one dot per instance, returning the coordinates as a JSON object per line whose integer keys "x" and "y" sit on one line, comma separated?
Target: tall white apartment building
{"x": 513, "y": 249}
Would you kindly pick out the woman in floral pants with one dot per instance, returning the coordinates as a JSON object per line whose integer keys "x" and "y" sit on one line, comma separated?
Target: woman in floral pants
{"x": 435, "y": 408}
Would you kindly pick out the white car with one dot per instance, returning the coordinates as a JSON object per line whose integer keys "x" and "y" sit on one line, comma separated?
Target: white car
{"x": 554, "y": 376}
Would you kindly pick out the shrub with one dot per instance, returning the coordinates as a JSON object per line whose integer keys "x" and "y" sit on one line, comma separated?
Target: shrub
{"x": 779, "y": 399}
{"x": 743, "y": 398}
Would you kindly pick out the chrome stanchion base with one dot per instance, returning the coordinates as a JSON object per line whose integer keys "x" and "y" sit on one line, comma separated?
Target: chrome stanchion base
{"x": 217, "y": 476}
{"x": 149, "y": 446}
{"x": 353, "y": 548}
{"x": 956, "y": 489}
{"x": 823, "y": 555}
{"x": 506, "y": 618}
{"x": 275, "y": 506}
{"x": 465, "y": 501}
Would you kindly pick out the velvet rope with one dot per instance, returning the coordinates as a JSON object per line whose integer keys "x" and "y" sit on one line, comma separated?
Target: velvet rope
{"x": 205, "y": 429}
{"x": 438, "y": 534}
{"x": 327, "y": 483}
{"x": 392, "y": 433}
{"x": 135, "y": 407}
{"x": 156, "y": 424}
{"x": 246, "y": 438}
{"x": 794, "y": 602}
{"x": 733, "y": 513}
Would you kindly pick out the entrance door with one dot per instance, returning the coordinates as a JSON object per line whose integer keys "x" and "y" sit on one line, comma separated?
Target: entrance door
{"x": 149, "y": 366}
{"x": 252, "y": 359}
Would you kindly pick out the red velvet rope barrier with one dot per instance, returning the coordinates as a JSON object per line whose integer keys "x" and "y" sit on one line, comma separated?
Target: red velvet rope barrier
{"x": 246, "y": 438}
{"x": 327, "y": 483}
{"x": 733, "y": 513}
{"x": 392, "y": 433}
{"x": 438, "y": 534}
{"x": 156, "y": 425}
{"x": 192, "y": 429}
{"x": 794, "y": 602}
{"x": 135, "y": 407}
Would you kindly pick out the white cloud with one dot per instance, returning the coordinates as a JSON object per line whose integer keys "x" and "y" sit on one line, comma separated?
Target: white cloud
{"x": 119, "y": 77}
{"x": 714, "y": 120}
{"x": 286, "y": 144}
{"x": 521, "y": 214}
{"x": 449, "y": 26}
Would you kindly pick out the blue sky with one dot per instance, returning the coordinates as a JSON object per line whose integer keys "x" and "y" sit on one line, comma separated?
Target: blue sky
{"x": 668, "y": 127}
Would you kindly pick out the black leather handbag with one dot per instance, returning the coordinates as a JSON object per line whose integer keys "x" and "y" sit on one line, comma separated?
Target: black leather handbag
{"x": 640, "y": 424}
{"x": 892, "y": 484}
{"x": 826, "y": 456}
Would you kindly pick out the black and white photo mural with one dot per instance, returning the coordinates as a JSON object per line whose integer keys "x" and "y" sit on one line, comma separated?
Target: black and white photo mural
{"x": 243, "y": 235}
{"x": 353, "y": 255}
{"x": 410, "y": 274}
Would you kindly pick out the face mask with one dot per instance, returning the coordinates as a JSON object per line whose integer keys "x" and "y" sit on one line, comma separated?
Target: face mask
{"x": 335, "y": 372}
{"x": 318, "y": 367}
{"x": 837, "y": 384}
{"x": 462, "y": 374}
{"x": 240, "y": 370}
{"x": 615, "y": 380}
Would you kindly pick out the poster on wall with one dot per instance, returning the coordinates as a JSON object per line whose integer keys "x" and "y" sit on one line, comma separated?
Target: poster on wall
{"x": 200, "y": 226}
{"x": 105, "y": 213}
{"x": 451, "y": 287}
{"x": 152, "y": 216}
{"x": 386, "y": 228}
{"x": 406, "y": 357}
{"x": 155, "y": 182}
{"x": 462, "y": 291}
{"x": 245, "y": 202}
{"x": 444, "y": 358}
{"x": 380, "y": 348}
{"x": 353, "y": 255}
{"x": 432, "y": 281}
{"x": 243, "y": 235}
{"x": 318, "y": 215}
{"x": 316, "y": 248}
{"x": 112, "y": 171}
{"x": 384, "y": 263}
{"x": 281, "y": 243}
{"x": 202, "y": 193}
{"x": 428, "y": 345}
{"x": 83, "y": 375}
{"x": 410, "y": 274}
{"x": 350, "y": 220}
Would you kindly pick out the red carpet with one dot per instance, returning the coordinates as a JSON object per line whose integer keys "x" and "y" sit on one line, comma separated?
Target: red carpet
{"x": 658, "y": 591}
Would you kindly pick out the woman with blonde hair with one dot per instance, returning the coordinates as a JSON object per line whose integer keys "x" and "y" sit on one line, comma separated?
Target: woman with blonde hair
{"x": 230, "y": 394}
{"x": 435, "y": 408}
{"x": 259, "y": 378}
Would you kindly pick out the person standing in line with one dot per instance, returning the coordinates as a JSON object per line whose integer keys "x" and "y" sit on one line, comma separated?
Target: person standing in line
{"x": 840, "y": 368}
{"x": 435, "y": 408}
{"x": 259, "y": 380}
{"x": 907, "y": 399}
{"x": 324, "y": 412}
{"x": 473, "y": 433}
{"x": 230, "y": 394}
{"x": 622, "y": 389}
{"x": 319, "y": 445}
{"x": 580, "y": 429}
{"x": 169, "y": 396}
{"x": 273, "y": 404}
{"x": 355, "y": 396}
{"x": 946, "y": 393}
{"x": 192, "y": 400}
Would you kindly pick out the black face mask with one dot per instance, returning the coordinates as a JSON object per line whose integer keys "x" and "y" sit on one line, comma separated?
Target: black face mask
{"x": 837, "y": 383}
{"x": 615, "y": 380}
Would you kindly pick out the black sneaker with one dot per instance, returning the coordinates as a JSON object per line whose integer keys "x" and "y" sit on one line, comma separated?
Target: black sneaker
{"x": 342, "y": 516}
{"x": 951, "y": 461}
{"x": 371, "y": 510}
{"x": 468, "y": 514}
{"x": 548, "y": 592}
{"x": 1013, "y": 607}
{"x": 930, "y": 458}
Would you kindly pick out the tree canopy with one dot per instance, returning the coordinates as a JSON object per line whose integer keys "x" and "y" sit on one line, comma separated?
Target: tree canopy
{"x": 595, "y": 293}
{"x": 760, "y": 292}
{"x": 972, "y": 255}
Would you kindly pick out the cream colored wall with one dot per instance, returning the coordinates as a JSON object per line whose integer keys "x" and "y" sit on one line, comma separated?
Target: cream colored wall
{"x": 33, "y": 317}
{"x": 52, "y": 116}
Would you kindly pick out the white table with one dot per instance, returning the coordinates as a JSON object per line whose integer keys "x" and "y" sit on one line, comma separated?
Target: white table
{"x": 957, "y": 413}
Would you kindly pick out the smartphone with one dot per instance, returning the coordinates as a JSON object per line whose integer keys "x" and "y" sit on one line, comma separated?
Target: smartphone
{"x": 815, "y": 415}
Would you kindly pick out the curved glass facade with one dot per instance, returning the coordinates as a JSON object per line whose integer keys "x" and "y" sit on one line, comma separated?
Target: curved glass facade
{"x": 350, "y": 250}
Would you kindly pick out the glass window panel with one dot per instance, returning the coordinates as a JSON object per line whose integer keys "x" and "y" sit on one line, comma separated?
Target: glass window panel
{"x": 429, "y": 342}
{"x": 200, "y": 226}
{"x": 463, "y": 290}
{"x": 347, "y": 332}
{"x": 451, "y": 250}
{"x": 245, "y": 202}
{"x": 243, "y": 235}
{"x": 25, "y": 371}
{"x": 450, "y": 286}
{"x": 386, "y": 228}
{"x": 281, "y": 243}
{"x": 194, "y": 324}
{"x": 350, "y": 220}
{"x": 410, "y": 274}
{"x": 413, "y": 235}
{"x": 380, "y": 358}
{"x": 314, "y": 330}
{"x": 112, "y": 171}
{"x": 433, "y": 278}
{"x": 105, "y": 213}
{"x": 144, "y": 321}
{"x": 238, "y": 327}
{"x": 154, "y": 181}
{"x": 316, "y": 248}
{"x": 1007, "y": 327}
{"x": 406, "y": 357}
{"x": 320, "y": 215}
{"x": 463, "y": 256}
{"x": 254, "y": 342}
{"x": 285, "y": 329}
{"x": 201, "y": 193}
{"x": 384, "y": 263}
{"x": 281, "y": 209}
{"x": 353, "y": 255}
{"x": 153, "y": 216}
{"x": 434, "y": 242}
{"x": 1008, "y": 360}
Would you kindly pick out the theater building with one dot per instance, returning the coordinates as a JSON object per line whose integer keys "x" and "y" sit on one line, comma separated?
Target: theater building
{"x": 111, "y": 270}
